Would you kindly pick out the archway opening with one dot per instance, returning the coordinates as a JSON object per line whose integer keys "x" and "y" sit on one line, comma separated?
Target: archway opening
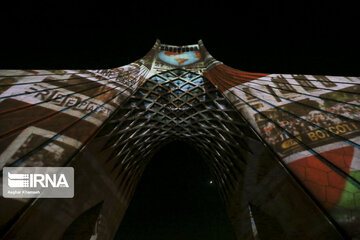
{"x": 176, "y": 198}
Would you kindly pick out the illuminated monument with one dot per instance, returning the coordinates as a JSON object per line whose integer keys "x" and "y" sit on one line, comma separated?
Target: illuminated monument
{"x": 283, "y": 148}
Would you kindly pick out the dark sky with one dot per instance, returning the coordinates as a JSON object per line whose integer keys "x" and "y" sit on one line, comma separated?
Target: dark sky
{"x": 318, "y": 37}
{"x": 175, "y": 200}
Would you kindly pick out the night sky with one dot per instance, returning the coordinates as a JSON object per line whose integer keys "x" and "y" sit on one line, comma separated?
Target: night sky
{"x": 317, "y": 37}
{"x": 174, "y": 197}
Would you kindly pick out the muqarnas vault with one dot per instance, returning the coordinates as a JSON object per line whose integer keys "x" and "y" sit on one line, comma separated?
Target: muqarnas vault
{"x": 283, "y": 148}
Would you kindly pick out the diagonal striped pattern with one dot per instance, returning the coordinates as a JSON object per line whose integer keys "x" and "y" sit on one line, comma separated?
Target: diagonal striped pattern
{"x": 60, "y": 103}
{"x": 312, "y": 122}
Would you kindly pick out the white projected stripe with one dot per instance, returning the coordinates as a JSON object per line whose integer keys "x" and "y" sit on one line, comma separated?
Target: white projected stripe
{"x": 5, "y": 157}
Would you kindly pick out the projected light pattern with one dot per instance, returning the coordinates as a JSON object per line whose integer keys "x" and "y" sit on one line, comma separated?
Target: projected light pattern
{"x": 313, "y": 123}
{"x": 179, "y": 58}
{"x": 283, "y": 149}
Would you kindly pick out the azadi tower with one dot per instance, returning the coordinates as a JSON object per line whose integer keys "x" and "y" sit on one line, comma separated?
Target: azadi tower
{"x": 284, "y": 149}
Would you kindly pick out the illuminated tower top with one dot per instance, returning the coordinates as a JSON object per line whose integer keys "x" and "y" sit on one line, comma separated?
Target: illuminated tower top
{"x": 193, "y": 57}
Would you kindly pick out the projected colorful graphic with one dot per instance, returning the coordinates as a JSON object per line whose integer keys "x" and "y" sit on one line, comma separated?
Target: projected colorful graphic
{"x": 313, "y": 124}
{"x": 179, "y": 59}
{"x": 309, "y": 124}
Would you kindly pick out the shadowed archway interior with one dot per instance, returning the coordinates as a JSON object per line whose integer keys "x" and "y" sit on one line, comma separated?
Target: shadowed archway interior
{"x": 175, "y": 200}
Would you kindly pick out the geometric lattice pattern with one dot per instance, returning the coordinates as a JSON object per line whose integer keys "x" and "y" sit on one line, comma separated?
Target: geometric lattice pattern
{"x": 176, "y": 105}
{"x": 284, "y": 148}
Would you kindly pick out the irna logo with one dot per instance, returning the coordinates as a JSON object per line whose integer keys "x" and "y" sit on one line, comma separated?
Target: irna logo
{"x": 38, "y": 182}
{"x": 16, "y": 180}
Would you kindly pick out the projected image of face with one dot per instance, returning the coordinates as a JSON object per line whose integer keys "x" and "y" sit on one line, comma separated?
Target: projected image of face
{"x": 179, "y": 59}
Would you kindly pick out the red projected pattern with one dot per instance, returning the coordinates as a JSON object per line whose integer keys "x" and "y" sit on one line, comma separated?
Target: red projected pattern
{"x": 312, "y": 123}
{"x": 326, "y": 185}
